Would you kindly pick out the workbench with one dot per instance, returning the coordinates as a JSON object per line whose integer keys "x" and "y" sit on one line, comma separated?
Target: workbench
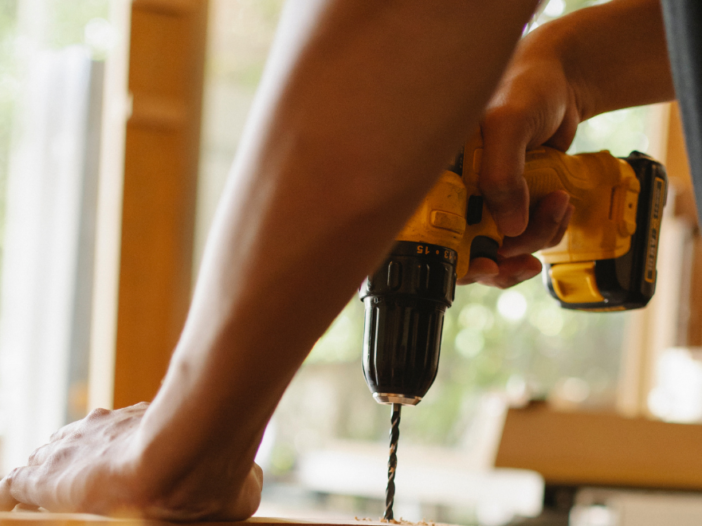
{"x": 25, "y": 518}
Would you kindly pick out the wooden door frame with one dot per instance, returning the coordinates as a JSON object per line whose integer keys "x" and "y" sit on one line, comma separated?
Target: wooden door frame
{"x": 167, "y": 48}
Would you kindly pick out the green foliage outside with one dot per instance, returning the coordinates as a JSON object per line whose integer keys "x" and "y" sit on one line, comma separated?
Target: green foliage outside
{"x": 9, "y": 88}
{"x": 66, "y": 21}
{"x": 242, "y": 33}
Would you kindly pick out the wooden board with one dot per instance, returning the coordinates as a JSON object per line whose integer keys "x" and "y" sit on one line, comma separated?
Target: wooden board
{"x": 24, "y": 518}
{"x": 602, "y": 449}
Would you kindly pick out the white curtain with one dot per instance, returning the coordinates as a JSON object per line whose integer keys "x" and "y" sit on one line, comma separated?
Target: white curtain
{"x": 41, "y": 260}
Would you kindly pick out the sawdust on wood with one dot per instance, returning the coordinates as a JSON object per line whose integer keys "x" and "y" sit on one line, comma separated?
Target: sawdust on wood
{"x": 402, "y": 521}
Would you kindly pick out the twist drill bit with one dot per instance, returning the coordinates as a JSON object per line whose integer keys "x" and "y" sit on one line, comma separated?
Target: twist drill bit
{"x": 392, "y": 462}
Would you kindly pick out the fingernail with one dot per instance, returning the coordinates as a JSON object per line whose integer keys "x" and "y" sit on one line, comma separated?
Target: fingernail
{"x": 511, "y": 222}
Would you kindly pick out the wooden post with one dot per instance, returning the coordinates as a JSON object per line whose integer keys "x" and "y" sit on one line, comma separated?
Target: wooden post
{"x": 665, "y": 322}
{"x": 166, "y": 70}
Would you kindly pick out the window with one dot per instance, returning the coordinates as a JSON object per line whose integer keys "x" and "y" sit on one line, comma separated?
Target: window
{"x": 50, "y": 127}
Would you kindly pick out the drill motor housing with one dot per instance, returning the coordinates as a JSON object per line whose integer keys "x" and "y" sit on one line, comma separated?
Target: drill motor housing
{"x": 605, "y": 262}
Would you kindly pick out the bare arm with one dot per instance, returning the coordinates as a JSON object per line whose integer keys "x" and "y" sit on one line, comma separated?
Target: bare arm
{"x": 594, "y": 60}
{"x": 362, "y": 105}
{"x": 617, "y": 58}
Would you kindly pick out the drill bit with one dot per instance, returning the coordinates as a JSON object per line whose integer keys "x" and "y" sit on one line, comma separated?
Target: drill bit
{"x": 392, "y": 462}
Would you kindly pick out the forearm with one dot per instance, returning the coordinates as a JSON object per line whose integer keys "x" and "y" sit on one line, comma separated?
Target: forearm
{"x": 614, "y": 54}
{"x": 362, "y": 105}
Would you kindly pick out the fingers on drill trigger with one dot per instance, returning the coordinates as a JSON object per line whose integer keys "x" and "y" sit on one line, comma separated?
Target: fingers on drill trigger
{"x": 480, "y": 268}
{"x": 514, "y": 270}
{"x": 40, "y": 455}
{"x": 544, "y": 225}
{"x": 501, "y": 175}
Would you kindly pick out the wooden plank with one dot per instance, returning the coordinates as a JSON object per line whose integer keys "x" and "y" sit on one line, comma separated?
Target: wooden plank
{"x": 678, "y": 168}
{"x": 24, "y": 518}
{"x": 694, "y": 327}
{"x": 167, "y": 53}
{"x": 601, "y": 449}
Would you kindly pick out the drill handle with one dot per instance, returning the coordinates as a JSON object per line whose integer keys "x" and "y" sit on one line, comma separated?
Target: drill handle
{"x": 604, "y": 191}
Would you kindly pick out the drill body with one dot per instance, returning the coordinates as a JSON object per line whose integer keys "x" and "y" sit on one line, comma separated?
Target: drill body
{"x": 606, "y": 260}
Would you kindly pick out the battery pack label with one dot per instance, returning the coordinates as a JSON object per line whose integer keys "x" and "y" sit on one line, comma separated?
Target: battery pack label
{"x": 654, "y": 229}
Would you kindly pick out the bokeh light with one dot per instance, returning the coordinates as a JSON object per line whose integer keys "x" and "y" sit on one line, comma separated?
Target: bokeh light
{"x": 470, "y": 342}
{"x": 512, "y": 305}
{"x": 555, "y": 8}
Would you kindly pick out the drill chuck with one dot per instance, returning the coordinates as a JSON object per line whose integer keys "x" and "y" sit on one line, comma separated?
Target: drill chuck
{"x": 405, "y": 301}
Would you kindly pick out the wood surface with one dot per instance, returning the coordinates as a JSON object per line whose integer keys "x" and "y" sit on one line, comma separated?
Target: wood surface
{"x": 24, "y": 518}
{"x": 601, "y": 449}
{"x": 166, "y": 72}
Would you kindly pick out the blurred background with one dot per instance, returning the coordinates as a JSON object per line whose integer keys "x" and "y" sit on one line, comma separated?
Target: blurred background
{"x": 119, "y": 122}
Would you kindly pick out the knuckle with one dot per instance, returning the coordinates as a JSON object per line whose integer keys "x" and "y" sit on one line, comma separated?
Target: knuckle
{"x": 136, "y": 409}
{"x": 62, "y": 454}
{"x": 504, "y": 187}
{"x": 97, "y": 413}
{"x": 58, "y": 458}
{"x": 58, "y": 435}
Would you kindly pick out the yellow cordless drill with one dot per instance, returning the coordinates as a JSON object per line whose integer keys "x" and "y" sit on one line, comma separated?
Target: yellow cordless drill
{"x": 606, "y": 260}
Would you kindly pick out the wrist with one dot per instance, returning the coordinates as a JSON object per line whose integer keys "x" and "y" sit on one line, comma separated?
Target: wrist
{"x": 555, "y": 46}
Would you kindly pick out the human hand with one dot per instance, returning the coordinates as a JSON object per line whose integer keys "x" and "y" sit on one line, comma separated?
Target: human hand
{"x": 93, "y": 466}
{"x": 536, "y": 103}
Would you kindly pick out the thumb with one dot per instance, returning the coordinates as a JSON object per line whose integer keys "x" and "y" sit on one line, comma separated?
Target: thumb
{"x": 501, "y": 175}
